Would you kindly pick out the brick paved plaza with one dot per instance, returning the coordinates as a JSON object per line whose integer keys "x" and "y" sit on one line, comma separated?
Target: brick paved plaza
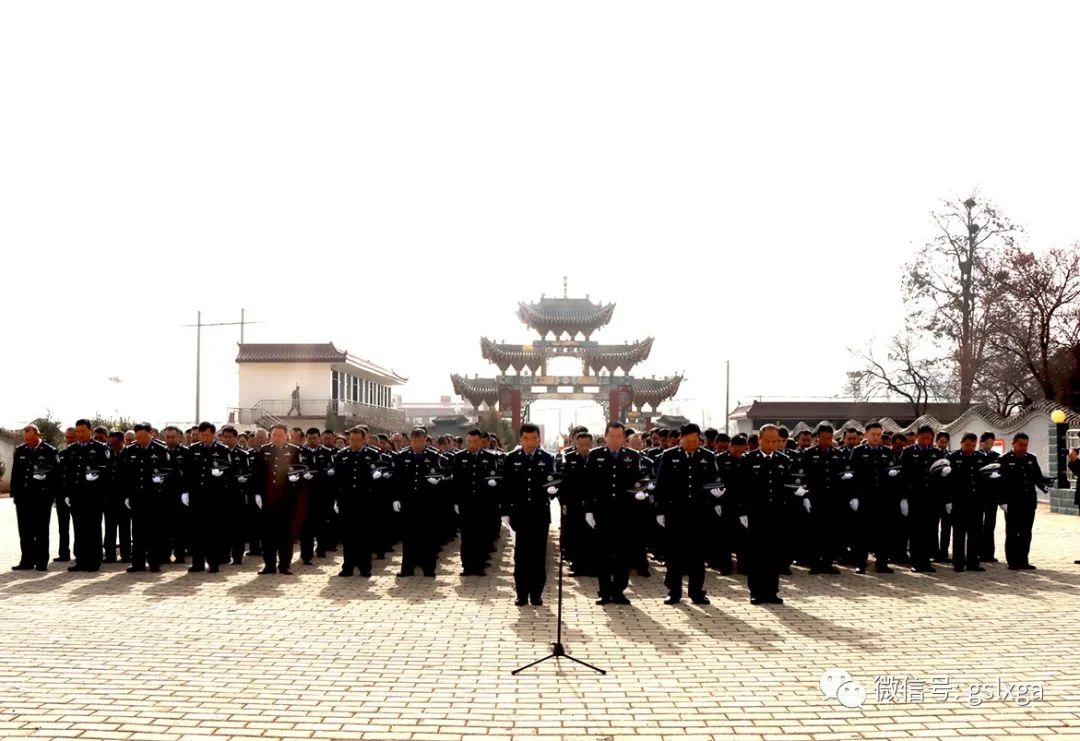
{"x": 178, "y": 656}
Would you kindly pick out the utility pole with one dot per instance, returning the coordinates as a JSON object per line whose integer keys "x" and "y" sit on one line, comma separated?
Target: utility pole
{"x": 727, "y": 396}
{"x": 198, "y": 350}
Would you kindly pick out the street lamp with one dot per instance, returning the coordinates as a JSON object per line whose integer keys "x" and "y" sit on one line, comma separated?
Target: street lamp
{"x": 1058, "y": 418}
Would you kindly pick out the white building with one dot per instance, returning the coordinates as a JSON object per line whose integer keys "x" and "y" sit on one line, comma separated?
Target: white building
{"x": 304, "y": 384}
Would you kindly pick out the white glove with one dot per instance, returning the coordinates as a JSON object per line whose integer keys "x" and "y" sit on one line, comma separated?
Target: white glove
{"x": 397, "y": 506}
{"x": 376, "y": 475}
{"x": 329, "y": 472}
{"x": 157, "y": 478}
{"x": 847, "y": 476}
{"x": 216, "y": 472}
{"x": 800, "y": 492}
{"x": 995, "y": 475}
{"x": 1005, "y": 508}
{"x": 894, "y": 472}
{"x": 717, "y": 491}
{"x": 806, "y": 504}
{"x": 67, "y": 501}
{"x": 258, "y": 501}
{"x": 127, "y": 503}
{"x": 854, "y": 504}
{"x": 904, "y": 507}
{"x": 744, "y": 521}
{"x": 553, "y": 490}
{"x": 661, "y": 521}
{"x": 185, "y": 498}
{"x": 948, "y": 508}
{"x": 431, "y": 480}
{"x": 242, "y": 479}
{"x": 308, "y": 475}
{"x": 590, "y": 520}
{"x": 91, "y": 476}
{"x": 39, "y": 477}
{"x": 457, "y": 510}
{"x": 388, "y": 474}
{"x": 946, "y": 471}
{"x": 651, "y": 485}
{"x": 641, "y": 496}
{"x": 717, "y": 510}
{"x": 294, "y": 477}
{"x": 506, "y": 521}
{"x": 337, "y": 510}
{"x": 563, "y": 510}
{"x": 492, "y": 482}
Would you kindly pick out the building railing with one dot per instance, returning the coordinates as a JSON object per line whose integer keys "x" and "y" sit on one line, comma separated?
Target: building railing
{"x": 270, "y": 411}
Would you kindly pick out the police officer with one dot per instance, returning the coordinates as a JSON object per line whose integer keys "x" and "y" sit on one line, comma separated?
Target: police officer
{"x": 63, "y": 512}
{"x": 475, "y": 482}
{"x": 418, "y": 477}
{"x": 86, "y": 479}
{"x": 178, "y": 533}
{"x": 964, "y": 496}
{"x": 528, "y": 476}
{"x": 145, "y": 469}
{"x": 208, "y": 473}
{"x": 688, "y": 497}
{"x": 764, "y": 474}
{"x": 614, "y": 472}
{"x": 35, "y": 470}
{"x": 727, "y": 532}
{"x": 826, "y": 467}
{"x": 576, "y": 538}
{"x": 117, "y": 516}
{"x": 874, "y": 502}
{"x": 990, "y": 503}
{"x": 356, "y": 500}
{"x": 921, "y": 492}
{"x": 317, "y": 494}
{"x": 237, "y": 494}
{"x": 277, "y": 490}
{"x": 1021, "y": 475}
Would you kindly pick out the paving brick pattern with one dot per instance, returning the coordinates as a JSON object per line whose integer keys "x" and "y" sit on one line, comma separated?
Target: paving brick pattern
{"x": 179, "y": 656}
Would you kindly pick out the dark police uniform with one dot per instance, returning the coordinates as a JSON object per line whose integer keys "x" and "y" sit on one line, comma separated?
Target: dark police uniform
{"x": 358, "y": 502}
{"x": 178, "y": 533}
{"x": 420, "y": 507}
{"x": 317, "y": 501}
{"x": 965, "y": 492}
{"x": 117, "y": 516}
{"x": 238, "y": 495}
{"x": 35, "y": 473}
{"x": 612, "y": 477}
{"x": 874, "y": 489}
{"x": 473, "y": 496}
{"x": 576, "y": 536}
{"x": 526, "y": 479}
{"x": 1021, "y": 474}
{"x": 63, "y": 511}
{"x": 989, "y": 511}
{"x": 274, "y": 483}
{"x": 824, "y": 467}
{"x": 145, "y": 474}
{"x": 209, "y": 475}
{"x": 924, "y": 503}
{"x": 689, "y": 510}
{"x": 766, "y": 496}
{"x": 87, "y": 471}
{"x": 726, "y": 536}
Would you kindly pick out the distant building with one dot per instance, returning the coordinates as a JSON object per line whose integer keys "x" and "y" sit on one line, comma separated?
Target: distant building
{"x": 305, "y": 384}
{"x": 424, "y": 412}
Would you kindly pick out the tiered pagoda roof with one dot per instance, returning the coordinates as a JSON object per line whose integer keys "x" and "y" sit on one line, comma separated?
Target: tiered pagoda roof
{"x": 476, "y": 390}
{"x": 595, "y": 358}
{"x": 652, "y": 391}
{"x": 505, "y": 356}
{"x": 565, "y": 316}
{"x": 617, "y": 357}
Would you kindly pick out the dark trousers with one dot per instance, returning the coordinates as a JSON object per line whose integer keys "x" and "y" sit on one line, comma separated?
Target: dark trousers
{"x": 945, "y": 522}
{"x": 924, "y": 514}
{"x": 179, "y": 543}
{"x": 823, "y": 532}
{"x": 207, "y": 541}
{"x": 530, "y": 553}
{"x": 1018, "y": 523}
{"x": 357, "y": 537}
{"x": 869, "y": 531}
{"x": 277, "y": 535}
{"x": 253, "y": 525}
{"x": 419, "y": 544}
{"x": 764, "y": 538}
{"x": 149, "y": 531}
{"x": 235, "y": 528}
{"x": 967, "y": 533}
{"x": 33, "y": 513}
{"x": 612, "y": 558}
{"x": 475, "y": 536}
{"x": 986, "y": 533}
{"x": 117, "y": 527}
{"x": 86, "y": 511}
{"x": 685, "y": 551}
{"x": 63, "y": 526}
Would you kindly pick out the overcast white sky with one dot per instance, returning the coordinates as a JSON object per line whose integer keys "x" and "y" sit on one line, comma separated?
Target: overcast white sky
{"x": 743, "y": 180}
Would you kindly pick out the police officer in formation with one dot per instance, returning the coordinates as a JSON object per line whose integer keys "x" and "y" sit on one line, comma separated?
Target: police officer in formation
{"x": 768, "y": 500}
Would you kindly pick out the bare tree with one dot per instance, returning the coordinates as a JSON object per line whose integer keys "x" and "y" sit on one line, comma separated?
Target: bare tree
{"x": 903, "y": 373}
{"x": 1037, "y": 311}
{"x": 948, "y": 285}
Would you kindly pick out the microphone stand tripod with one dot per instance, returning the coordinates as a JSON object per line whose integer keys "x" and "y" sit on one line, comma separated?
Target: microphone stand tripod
{"x": 557, "y": 649}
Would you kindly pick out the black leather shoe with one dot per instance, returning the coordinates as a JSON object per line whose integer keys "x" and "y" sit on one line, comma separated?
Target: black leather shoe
{"x": 213, "y": 570}
{"x": 75, "y": 567}
{"x": 758, "y": 601}
{"x": 405, "y": 573}
{"x": 61, "y": 559}
{"x": 285, "y": 572}
{"x": 1028, "y": 567}
{"x": 884, "y": 570}
{"x": 519, "y": 602}
{"x": 267, "y": 571}
{"x": 702, "y": 600}
{"x": 537, "y": 602}
{"x": 775, "y": 600}
{"x": 975, "y": 568}
{"x": 21, "y": 567}
{"x": 344, "y": 572}
{"x": 365, "y": 574}
{"x": 42, "y": 567}
{"x": 195, "y": 570}
{"x": 135, "y": 569}
{"x": 604, "y": 601}
{"x": 621, "y": 599}
{"x": 672, "y": 600}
